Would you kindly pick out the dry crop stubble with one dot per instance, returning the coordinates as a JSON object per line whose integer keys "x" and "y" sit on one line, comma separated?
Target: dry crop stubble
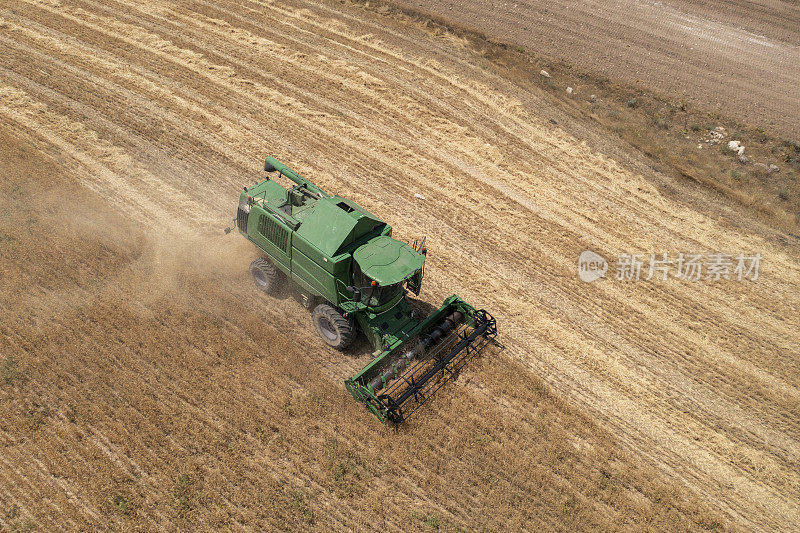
{"x": 164, "y": 110}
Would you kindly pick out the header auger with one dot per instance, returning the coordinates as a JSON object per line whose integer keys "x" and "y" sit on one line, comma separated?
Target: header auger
{"x": 343, "y": 263}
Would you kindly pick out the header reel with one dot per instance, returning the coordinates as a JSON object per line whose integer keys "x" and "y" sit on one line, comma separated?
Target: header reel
{"x": 401, "y": 379}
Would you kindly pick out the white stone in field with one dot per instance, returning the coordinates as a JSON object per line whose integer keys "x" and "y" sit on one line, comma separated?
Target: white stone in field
{"x": 736, "y": 146}
{"x": 569, "y": 90}
{"x": 544, "y": 73}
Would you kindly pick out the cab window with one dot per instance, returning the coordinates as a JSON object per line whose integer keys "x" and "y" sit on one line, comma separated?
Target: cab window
{"x": 373, "y": 296}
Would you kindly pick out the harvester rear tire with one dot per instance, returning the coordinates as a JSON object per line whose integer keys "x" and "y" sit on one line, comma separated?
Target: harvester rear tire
{"x": 336, "y": 330}
{"x": 266, "y": 276}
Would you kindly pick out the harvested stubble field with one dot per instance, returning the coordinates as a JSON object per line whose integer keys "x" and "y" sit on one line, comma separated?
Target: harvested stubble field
{"x": 145, "y": 384}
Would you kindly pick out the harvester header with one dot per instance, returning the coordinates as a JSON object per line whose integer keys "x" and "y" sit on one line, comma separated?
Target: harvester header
{"x": 342, "y": 262}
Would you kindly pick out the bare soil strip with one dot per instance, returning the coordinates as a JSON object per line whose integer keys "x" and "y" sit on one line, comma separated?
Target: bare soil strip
{"x": 740, "y": 57}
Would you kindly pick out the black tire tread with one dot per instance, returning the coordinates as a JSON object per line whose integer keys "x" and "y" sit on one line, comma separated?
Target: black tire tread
{"x": 272, "y": 274}
{"x": 344, "y": 326}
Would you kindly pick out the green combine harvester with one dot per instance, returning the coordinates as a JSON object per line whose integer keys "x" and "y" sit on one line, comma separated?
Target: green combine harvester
{"x": 343, "y": 263}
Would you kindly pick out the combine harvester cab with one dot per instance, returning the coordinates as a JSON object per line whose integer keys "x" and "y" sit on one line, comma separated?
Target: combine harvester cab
{"x": 342, "y": 262}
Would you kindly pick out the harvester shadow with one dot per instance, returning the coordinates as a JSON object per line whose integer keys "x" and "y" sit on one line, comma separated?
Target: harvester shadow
{"x": 283, "y": 293}
{"x": 421, "y": 306}
{"x": 360, "y": 347}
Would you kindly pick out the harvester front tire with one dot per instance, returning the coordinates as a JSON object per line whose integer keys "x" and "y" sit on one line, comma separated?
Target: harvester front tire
{"x": 336, "y": 330}
{"x": 266, "y": 276}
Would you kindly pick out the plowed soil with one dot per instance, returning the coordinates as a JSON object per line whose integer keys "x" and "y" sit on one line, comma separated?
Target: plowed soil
{"x": 741, "y": 59}
{"x": 145, "y": 383}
